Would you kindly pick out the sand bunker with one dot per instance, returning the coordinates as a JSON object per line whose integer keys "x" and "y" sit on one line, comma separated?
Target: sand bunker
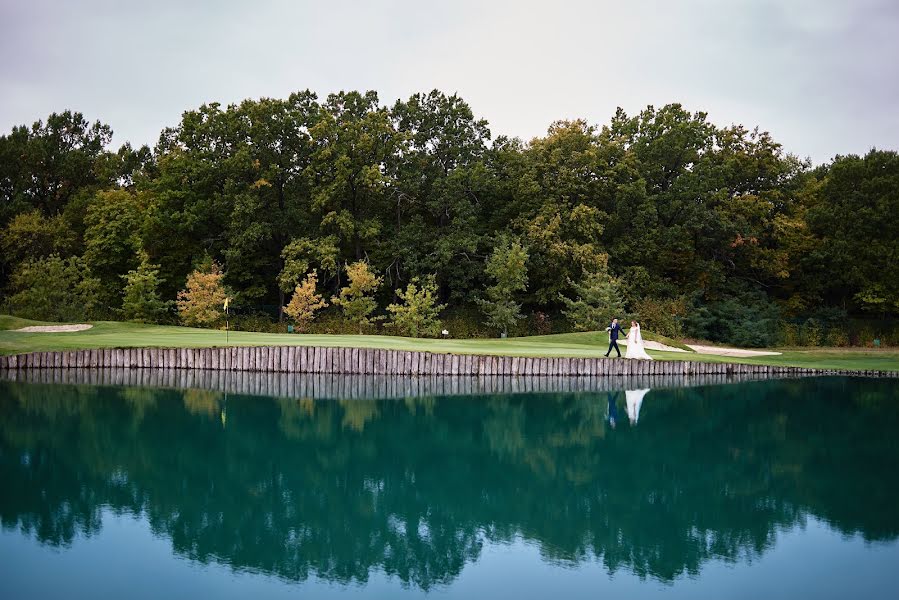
{"x": 651, "y": 345}
{"x": 54, "y": 328}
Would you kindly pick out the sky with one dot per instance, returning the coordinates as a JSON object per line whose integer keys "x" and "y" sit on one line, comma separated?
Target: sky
{"x": 821, "y": 76}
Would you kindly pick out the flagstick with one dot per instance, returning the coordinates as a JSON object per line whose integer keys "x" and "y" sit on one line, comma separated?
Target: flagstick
{"x": 227, "y": 328}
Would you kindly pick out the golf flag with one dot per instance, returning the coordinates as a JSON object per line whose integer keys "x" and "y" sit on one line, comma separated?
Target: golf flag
{"x": 226, "y": 303}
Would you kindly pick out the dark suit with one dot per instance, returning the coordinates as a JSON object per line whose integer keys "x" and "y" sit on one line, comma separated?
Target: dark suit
{"x": 614, "y": 330}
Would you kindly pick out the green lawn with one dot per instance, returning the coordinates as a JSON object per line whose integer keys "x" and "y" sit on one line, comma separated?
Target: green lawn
{"x": 107, "y": 334}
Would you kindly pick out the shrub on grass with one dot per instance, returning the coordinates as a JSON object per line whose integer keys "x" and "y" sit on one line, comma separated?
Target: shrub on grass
{"x": 810, "y": 334}
{"x": 419, "y": 314}
{"x": 836, "y": 338}
{"x": 201, "y": 303}
{"x": 507, "y": 266}
{"x": 864, "y": 336}
{"x": 356, "y": 299}
{"x": 749, "y": 321}
{"x": 305, "y": 302}
{"x": 789, "y": 334}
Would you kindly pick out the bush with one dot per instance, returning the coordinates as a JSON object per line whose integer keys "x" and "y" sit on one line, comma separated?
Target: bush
{"x": 466, "y": 323}
{"x": 837, "y": 338}
{"x": 891, "y": 336}
{"x": 662, "y": 316}
{"x": 864, "y": 336}
{"x": 789, "y": 334}
{"x": 141, "y": 301}
{"x": 507, "y": 266}
{"x": 253, "y": 321}
{"x": 541, "y": 323}
{"x": 749, "y": 320}
{"x": 810, "y": 333}
{"x": 418, "y": 315}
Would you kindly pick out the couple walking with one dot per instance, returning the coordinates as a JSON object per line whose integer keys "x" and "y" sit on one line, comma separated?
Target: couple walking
{"x": 635, "y": 348}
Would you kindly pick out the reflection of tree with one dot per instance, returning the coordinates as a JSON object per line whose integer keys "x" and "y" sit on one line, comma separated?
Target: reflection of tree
{"x": 415, "y": 487}
{"x": 202, "y": 402}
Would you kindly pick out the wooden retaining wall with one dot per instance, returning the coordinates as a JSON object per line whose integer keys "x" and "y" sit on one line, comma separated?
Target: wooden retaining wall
{"x": 363, "y": 361}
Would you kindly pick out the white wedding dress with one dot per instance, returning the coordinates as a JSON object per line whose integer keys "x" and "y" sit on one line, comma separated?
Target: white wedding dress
{"x": 635, "y": 348}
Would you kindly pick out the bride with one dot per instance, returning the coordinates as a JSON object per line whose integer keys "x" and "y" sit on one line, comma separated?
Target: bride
{"x": 635, "y": 348}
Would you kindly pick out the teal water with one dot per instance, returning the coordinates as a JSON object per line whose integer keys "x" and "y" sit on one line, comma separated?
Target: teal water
{"x": 776, "y": 489}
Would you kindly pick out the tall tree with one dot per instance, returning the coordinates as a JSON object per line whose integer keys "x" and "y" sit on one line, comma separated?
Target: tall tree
{"x": 440, "y": 195}
{"x": 44, "y": 166}
{"x": 113, "y": 239}
{"x": 201, "y": 302}
{"x": 507, "y": 266}
{"x": 356, "y": 299}
{"x": 599, "y": 299}
{"x": 305, "y": 302}
{"x": 354, "y": 144}
{"x": 141, "y": 301}
{"x": 855, "y": 219}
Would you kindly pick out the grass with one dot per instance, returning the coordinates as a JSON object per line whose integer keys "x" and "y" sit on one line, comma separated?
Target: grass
{"x": 9, "y": 322}
{"x": 109, "y": 334}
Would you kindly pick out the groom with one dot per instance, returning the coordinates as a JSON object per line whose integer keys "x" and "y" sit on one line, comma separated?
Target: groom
{"x": 614, "y": 329}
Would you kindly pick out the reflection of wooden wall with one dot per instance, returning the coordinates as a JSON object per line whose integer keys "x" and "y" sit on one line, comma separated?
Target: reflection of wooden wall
{"x": 366, "y": 361}
{"x": 341, "y": 386}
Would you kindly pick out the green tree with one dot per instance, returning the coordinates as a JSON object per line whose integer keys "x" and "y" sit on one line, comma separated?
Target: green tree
{"x": 354, "y": 146}
{"x": 113, "y": 241}
{"x": 441, "y": 191}
{"x": 54, "y": 289}
{"x": 507, "y": 266}
{"x": 32, "y": 235}
{"x": 356, "y": 299}
{"x": 141, "y": 302}
{"x": 301, "y": 254}
{"x": 48, "y": 164}
{"x": 599, "y": 299}
{"x": 561, "y": 219}
{"x": 853, "y": 217}
{"x": 419, "y": 313}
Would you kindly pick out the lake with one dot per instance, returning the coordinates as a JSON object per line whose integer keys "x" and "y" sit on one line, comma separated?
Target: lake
{"x": 775, "y": 489}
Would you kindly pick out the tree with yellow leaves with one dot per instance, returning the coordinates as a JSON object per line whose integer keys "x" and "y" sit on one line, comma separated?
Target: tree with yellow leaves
{"x": 356, "y": 298}
{"x": 305, "y": 302}
{"x": 201, "y": 303}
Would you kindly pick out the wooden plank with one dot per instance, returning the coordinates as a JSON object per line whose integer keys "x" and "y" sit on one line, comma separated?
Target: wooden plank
{"x": 382, "y": 361}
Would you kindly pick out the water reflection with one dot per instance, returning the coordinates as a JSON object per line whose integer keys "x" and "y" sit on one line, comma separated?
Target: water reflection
{"x": 634, "y": 400}
{"x": 356, "y": 386}
{"x": 415, "y": 487}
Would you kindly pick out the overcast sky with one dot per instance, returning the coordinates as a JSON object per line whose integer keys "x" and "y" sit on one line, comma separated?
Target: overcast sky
{"x": 820, "y": 75}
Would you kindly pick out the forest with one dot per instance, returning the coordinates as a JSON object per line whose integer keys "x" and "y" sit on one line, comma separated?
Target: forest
{"x": 343, "y": 214}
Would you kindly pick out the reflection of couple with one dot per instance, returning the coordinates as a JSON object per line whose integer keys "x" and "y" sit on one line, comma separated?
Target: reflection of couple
{"x": 633, "y": 400}
{"x": 635, "y": 347}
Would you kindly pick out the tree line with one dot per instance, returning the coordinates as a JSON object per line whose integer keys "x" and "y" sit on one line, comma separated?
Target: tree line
{"x": 702, "y": 230}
